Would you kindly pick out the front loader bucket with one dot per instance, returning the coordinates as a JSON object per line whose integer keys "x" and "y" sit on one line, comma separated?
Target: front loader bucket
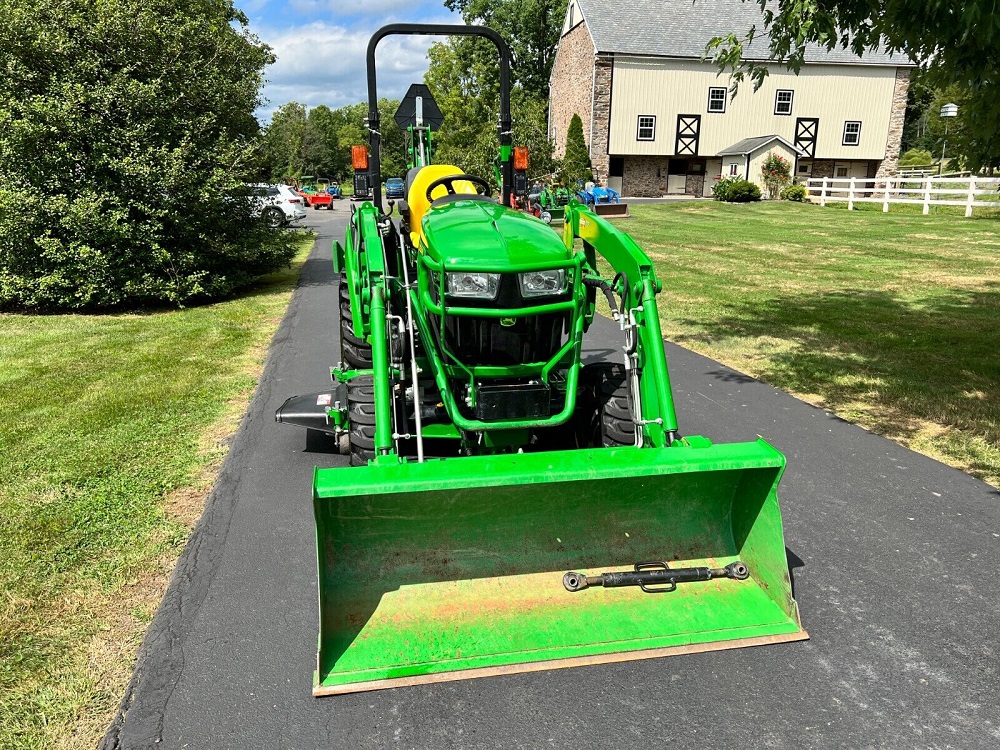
{"x": 454, "y": 568}
{"x": 612, "y": 210}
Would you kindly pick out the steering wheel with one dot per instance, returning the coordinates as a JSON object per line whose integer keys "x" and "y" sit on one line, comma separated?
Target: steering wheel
{"x": 448, "y": 182}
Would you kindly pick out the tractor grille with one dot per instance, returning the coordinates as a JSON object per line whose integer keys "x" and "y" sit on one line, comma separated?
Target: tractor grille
{"x": 506, "y": 342}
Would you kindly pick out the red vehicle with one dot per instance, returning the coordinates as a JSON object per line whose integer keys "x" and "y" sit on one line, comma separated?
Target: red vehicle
{"x": 313, "y": 193}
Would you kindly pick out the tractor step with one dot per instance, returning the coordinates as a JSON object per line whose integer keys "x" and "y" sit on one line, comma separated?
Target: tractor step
{"x": 312, "y": 410}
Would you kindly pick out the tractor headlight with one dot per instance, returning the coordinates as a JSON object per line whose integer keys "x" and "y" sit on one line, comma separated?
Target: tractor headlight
{"x": 473, "y": 285}
{"x": 542, "y": 283}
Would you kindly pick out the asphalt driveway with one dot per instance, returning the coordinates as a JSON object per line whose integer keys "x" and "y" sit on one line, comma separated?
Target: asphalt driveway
{"x": 894, "y": 560}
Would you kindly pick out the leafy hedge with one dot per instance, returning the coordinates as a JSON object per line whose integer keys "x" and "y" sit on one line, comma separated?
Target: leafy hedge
{"x": 735, "y": 190}
{"x": 124, "y": 126}
{"x": 796, "y": 193}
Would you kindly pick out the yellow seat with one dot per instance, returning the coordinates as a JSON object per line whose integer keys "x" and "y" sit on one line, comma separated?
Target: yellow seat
{"x": 416, "y": 199}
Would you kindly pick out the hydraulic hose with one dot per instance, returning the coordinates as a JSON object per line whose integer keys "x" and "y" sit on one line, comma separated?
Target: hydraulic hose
{"x": 595, "y": 282}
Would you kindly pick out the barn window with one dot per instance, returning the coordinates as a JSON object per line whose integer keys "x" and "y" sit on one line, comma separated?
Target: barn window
{"x": 716, "y": 99}
{"x": 852, "y": 133}
{"x": 783, "y": 102}
{"x": 647, "y": 128}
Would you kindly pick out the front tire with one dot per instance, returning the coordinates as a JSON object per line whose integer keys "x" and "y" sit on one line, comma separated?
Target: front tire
{"x": 608, "y": 420}
{"x": 356, "y": 353}
{"x": 361, "y": 413}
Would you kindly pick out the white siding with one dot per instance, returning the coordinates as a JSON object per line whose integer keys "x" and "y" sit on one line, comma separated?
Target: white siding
{"x": 831, "y": 93}
{"x": 573, "y": 17}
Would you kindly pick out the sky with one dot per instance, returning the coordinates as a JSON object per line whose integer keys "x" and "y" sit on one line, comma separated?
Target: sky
{"x": 321, "y": 45}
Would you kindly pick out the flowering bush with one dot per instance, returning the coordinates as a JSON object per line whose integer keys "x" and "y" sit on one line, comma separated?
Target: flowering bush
{"x": 776, "y": 172}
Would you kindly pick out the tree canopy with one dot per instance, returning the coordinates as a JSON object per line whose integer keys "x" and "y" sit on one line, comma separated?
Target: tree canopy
{"x": 953, "y": 43}
{"x": 531, "y": 27}
{"x": 465, "y": 80}
{"x": 318, "y": 141}
{"x": 126, "y": 128}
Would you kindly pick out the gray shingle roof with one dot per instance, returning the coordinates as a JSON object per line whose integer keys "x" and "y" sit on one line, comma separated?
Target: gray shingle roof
{"x": 749, "y": 145}
{"x": 682, "y": 28}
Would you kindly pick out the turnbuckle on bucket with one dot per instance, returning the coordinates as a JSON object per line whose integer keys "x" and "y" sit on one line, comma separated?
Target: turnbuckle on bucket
{"x": 655, "y": 577}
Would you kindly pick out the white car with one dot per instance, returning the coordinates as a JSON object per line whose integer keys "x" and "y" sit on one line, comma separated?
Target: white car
{"x": 278, "y": 205}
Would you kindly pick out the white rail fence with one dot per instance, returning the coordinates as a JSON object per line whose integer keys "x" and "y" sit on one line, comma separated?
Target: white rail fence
{"x": 970, "y": 192}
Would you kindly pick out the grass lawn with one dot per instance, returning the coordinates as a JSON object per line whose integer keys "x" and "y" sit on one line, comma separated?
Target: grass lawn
{"x": 111, "y": 427}
{"x": 891, "y": 321}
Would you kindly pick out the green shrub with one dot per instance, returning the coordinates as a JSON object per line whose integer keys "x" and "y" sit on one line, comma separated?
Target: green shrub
{"x": 720, "y": 190}
{"x": 126, "y": 130}
{"x": 794, "y": 193}
{"x": 735, "y": 190}
{"x": 916, "y": 157}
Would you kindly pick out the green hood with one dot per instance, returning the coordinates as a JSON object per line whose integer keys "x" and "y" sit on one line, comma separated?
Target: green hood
{"x": 480, "y": 235}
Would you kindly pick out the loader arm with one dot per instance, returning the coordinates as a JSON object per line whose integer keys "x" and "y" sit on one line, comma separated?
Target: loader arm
{"x": 637, "y": 285}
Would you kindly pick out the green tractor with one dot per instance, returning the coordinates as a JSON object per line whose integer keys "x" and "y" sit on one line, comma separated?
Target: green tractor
{"x": 508, "y": 507}
{"x": 553, "y": 200}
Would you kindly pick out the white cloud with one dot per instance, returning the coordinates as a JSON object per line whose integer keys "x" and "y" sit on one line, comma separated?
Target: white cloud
{"x": 365, "y": 7}
{"x": 320, "y": 63}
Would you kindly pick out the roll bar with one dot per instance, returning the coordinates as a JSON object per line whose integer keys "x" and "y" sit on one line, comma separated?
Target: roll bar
{"x": 428, "y": 29}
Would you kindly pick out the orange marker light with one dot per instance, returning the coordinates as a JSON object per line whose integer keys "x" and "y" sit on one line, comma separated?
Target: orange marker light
{"x": 359, "y": 158}
{"x": 521, "y": 158}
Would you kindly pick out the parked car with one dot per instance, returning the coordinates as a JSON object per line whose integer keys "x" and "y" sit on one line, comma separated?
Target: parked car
{"x": 394, "y": 188}
{"x": 278, "y": 205}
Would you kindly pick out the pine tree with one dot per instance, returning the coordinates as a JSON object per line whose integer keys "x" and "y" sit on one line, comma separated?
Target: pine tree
{"x": 576, "y": 162}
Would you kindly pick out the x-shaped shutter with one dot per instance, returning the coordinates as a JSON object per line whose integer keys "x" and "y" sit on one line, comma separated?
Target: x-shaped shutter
{"x": 806, "y": 129}
{"x": 688, "y": 132}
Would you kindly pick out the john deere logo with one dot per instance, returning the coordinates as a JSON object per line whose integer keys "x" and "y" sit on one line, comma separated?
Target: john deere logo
{"x": 507, "y": 322}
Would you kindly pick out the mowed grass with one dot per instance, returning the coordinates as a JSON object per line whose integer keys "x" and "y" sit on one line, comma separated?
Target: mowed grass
{"x": 891, "y": 321}
{"x": 110, "y": 427}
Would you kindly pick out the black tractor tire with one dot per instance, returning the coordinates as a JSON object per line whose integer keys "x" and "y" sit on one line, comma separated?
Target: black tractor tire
{"x": 361, "y": 413}
{"x": 356, "y": 353}
{"x": 607, "y": 420}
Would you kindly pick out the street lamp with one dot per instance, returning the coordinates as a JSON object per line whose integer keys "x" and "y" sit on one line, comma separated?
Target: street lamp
{"x": 948, "y": 110}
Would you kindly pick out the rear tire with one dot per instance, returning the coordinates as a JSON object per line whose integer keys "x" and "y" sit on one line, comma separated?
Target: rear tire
{"x": 356, "y": 353}
{"x": 608, "y": 421}
{"x": 274, "y": 217}
{"x": 361, "y": 413}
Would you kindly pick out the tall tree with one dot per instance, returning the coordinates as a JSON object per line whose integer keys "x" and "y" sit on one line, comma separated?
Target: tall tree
{"x": 576, "y": 162}
{"x": 124, "y": 126}
{"x": 916, "y": 130}
{"x": 284, "y": 139}
{"x": 954, "y": 43}
{"x": 464, "y": 77}
{"x": 532, "y": 29}
{"x": 349, "y": 123}
{"x": 323, "y": 155}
